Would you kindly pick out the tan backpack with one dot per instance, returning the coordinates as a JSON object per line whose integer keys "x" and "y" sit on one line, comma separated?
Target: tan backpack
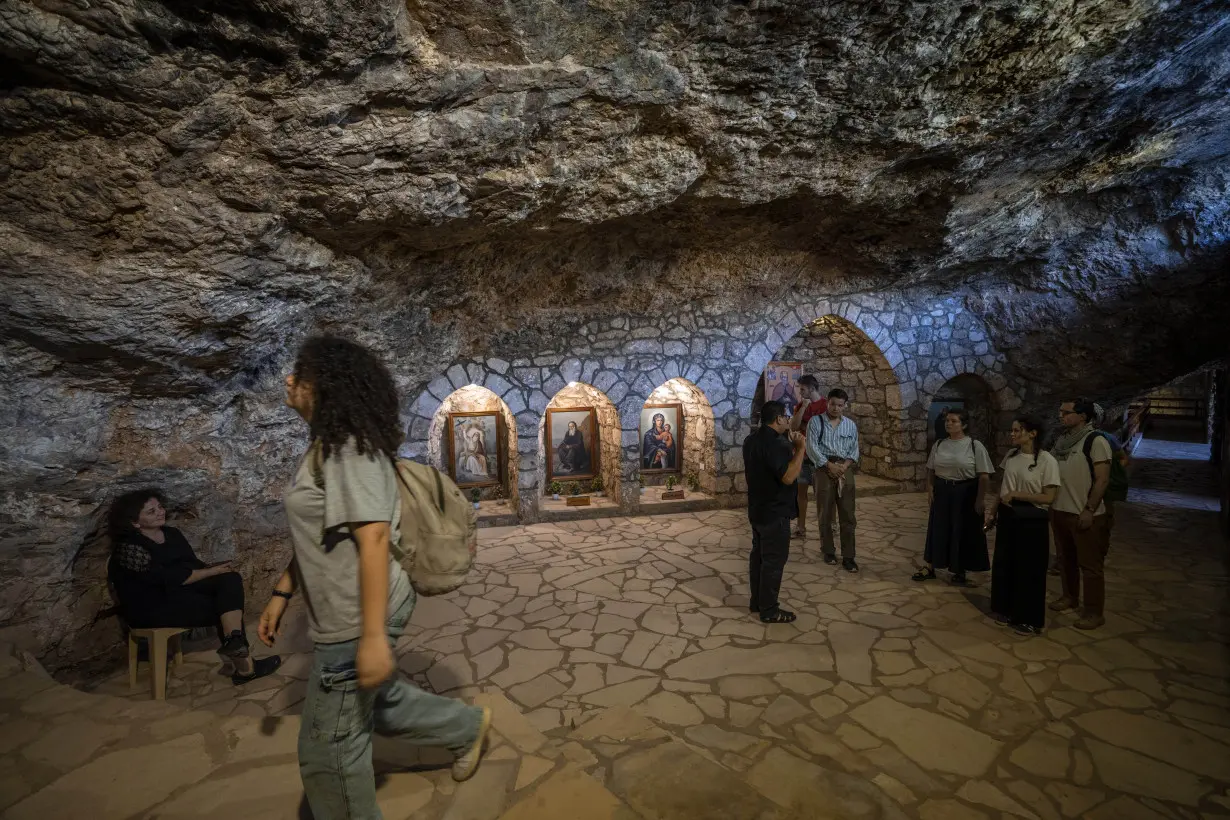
{"x": 439, "y": 528}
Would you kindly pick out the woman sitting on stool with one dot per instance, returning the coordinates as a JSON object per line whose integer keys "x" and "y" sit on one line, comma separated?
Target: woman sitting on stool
{"x": 160, "y": 582}
{"x": 960, "y": 472}
{"x": 1018, "y": 576}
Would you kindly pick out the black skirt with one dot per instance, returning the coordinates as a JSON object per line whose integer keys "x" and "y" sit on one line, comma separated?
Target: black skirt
{"x": 955, "y": 538}
{"x": 1018, "y": 577}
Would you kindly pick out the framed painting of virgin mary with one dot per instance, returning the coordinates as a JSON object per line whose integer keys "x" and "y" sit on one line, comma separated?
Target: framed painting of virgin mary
{"x": 662, "y": 438}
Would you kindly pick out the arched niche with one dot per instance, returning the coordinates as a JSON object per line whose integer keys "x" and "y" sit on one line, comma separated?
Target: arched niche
{"x": 475, "y": 399}
{"x": 970, "y": 392}
{"x": 699, "y": 442}
{"x": 839, "y": 354}
{"x": 608, "y": 450}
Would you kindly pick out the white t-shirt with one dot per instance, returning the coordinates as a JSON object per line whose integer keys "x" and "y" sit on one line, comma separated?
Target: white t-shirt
{"x": 1074, "y": 479}
{"x": 1020, "y": 478}
{"x": 959, "y": 460}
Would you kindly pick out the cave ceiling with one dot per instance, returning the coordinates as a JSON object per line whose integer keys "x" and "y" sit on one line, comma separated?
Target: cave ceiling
{"x": 186, "y": 186}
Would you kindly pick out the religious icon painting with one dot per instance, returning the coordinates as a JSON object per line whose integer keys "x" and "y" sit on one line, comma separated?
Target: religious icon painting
{"x": 475, "y": 449}
{"x": 662, "y": 438}
{"x": 781, "y": 382}
{"x": 572, "y": 443}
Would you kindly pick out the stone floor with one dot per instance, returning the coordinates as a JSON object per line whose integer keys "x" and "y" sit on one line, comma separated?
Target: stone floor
{"x": 629, "y": 681}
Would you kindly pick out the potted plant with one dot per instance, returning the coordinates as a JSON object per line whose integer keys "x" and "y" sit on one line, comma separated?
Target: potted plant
{"x": 556, "y": 488}
{"x": 475, "y": 496}
{"x": 575, "y": 499}
{"x": 671, "y": 493}
{"x": 596, "y": 486}
{"x": 693, "y": 482}
{"x": 499, "y": 495}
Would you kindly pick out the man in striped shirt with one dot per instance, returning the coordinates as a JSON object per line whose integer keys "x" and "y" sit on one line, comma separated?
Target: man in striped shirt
{"x": 832, "y": 445}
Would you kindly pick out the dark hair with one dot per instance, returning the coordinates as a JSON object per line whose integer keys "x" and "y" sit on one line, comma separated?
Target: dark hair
{"x": 1031, "y": 425}
{"x": 127, "y": 509}
{"x": 838, "y": 393}
{"x": 1084, "y": 407}
{"x": 352, "y": 396}
{"x": 961, "y": 413}
{"x": 771, "y": 412}
{"x": 810, "y": 381}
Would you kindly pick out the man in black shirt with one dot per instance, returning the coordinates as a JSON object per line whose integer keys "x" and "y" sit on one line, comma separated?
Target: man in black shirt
{"x": 772, "y": 457}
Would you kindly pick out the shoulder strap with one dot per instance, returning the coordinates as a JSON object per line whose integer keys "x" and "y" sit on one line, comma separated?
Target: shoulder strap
{"x": 316, "y": 463}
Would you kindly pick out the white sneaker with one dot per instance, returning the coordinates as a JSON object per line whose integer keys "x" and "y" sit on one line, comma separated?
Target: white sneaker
{"x": 465, "y": 766}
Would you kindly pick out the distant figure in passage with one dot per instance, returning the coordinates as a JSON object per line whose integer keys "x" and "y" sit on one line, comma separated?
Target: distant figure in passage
{"x": 344, "y": 511}
{"x": 160, "y": 582}
{"x": 832, "y": 445}
{"x": 1018, "y": 572}
{"x": 959, "y": 471}
{"x": 1078, "y": 517}
{"x": 813, "y": 404}
{"x": 772, "y": 458}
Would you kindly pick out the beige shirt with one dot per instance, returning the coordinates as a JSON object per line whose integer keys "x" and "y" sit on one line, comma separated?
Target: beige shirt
{"x": 1075, "y": 481}
{"x": 1022, "y": 475}
{"x": 959, "y": 459}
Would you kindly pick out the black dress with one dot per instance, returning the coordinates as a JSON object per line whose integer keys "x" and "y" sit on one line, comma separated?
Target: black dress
{"x": 149, "y": 582}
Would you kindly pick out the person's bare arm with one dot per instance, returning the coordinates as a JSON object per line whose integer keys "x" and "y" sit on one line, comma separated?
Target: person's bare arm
{"x": 207, "y": 572}
{"x": 796, "y": 463}
{"x": 374, "y": 659}
{"x": 984, "y": 484}
{"x": 1047, "y": 496}
{"x": 1101, "y": 480}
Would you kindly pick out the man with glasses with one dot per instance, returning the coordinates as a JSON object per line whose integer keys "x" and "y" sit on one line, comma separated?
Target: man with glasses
{"x": 832, "y": 445}
{"x": 1078, "y": 516}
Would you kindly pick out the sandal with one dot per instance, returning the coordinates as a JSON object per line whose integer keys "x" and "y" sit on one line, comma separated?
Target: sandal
{"x": 778, "y": 616}
{"x": 797, "y": 533}
{"x": 923, "y": 575}
{"x": 260, "y": 668}
{"x": 960, "y": 581}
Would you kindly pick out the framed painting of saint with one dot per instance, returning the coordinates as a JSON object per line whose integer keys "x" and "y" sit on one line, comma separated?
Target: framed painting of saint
{"x": 662, "y": 438}
{"x": 572, "y": 443}
{"x": 475, "y": 449}
{"x": 781, "y": 383}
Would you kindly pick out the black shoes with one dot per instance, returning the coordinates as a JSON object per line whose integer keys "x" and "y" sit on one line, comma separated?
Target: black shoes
{"x": 849, "y": 566}
{"x": 260, "y": 668}
{"x": 777, "y": 616}
{"x": 830, "y": 559}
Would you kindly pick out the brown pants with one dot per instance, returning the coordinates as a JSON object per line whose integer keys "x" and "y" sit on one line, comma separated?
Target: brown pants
{"x": 1081, "y": 555}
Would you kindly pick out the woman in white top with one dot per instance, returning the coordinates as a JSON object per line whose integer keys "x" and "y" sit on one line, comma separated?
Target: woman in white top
{"x": 1018, "y": 576}
{"x": 959, "y": 472}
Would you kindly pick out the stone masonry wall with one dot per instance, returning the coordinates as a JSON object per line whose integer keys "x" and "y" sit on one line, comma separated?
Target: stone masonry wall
{"x": 699, "y": 445}
{"x": 610, "y": 434}
{"x": 840, "y": 355}
{"x": 474, "y": 399}
{"x": 722, "y": 348}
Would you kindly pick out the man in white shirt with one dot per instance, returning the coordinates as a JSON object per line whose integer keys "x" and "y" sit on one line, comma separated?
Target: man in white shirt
{"x": 1078, "y": 517}
{"x": 832, "y": 445}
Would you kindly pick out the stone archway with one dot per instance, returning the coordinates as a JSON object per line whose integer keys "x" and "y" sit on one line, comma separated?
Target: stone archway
{"x": 699, "y": 439}
{"x": 475, "y": 399}
{"x": 839, "y": 354}
{"x": 610, "y": 433}
{"x": 974, "y": 395}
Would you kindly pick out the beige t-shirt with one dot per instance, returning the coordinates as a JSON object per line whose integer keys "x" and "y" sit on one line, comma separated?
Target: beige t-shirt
{"x": 1075, "y": 481}
{"x": 1022, "y": 475}
{"x": 357, "y": 489}
{"x": 960, "y": 459}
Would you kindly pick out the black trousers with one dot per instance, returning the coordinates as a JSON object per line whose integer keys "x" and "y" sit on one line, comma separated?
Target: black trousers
{"x": 770, "y": 549}
{"x": 198, "y": 604}
{"x": 1018, "y": 572}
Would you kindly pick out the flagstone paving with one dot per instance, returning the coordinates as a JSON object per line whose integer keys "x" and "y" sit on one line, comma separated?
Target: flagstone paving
{"x": 630, "y": 681}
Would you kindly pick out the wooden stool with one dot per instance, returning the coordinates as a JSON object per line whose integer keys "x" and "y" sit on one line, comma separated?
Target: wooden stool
{"x": 158, "y": 639}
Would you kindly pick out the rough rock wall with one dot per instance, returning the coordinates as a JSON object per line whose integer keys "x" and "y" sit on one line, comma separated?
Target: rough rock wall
{"x": 188, "y": 189}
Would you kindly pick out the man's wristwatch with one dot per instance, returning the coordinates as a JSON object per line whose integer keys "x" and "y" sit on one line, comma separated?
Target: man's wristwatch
{"x": 281, "y": 594}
